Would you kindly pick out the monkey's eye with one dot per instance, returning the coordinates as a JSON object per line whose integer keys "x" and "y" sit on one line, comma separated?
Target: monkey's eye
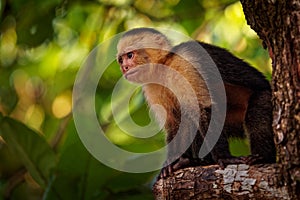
{"x": 130, "y": 55}
{"x": 120, "y": 60}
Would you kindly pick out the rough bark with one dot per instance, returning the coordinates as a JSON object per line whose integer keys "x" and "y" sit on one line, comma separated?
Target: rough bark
{"x": 277, "y": 22}
{"x": 233, "y": 182}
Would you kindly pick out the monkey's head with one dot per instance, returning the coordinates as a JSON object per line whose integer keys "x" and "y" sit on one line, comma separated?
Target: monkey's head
{"x": 141, "y": 47}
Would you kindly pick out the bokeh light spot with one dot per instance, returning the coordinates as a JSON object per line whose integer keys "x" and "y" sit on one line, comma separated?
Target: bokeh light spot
{"x": 62, "y": 105}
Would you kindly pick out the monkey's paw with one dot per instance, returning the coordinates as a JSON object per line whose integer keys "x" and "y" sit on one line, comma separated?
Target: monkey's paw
{"x": 176, "y": 165}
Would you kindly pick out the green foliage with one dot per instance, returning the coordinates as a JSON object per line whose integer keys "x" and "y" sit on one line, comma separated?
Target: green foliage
{"x": 31, "y": 30}
{"x": 239, "y": 147}
{"x": 80, "y": 176}
{"x": 42, "y": 46}
{"x": 33, "y": 151}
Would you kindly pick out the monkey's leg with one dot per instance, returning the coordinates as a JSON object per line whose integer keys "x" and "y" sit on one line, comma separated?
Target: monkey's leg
{"x": 258, "y": 124}
{"x": 180, "y": 140}
{"x": 221, "y": 153}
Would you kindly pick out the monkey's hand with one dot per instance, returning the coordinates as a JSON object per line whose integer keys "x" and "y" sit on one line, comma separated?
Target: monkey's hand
{"x": 180, "y": 163}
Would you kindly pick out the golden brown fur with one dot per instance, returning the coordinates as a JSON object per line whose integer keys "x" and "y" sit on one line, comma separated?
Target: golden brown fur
{"x": 141, "y": 52}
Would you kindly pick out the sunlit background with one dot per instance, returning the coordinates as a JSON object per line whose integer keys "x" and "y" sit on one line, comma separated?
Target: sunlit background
{"x": 42, "y": 46}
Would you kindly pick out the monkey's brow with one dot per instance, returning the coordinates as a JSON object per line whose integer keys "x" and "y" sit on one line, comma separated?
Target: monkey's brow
{"x": 120, "y": 55}
{"x": 124, "y": 53}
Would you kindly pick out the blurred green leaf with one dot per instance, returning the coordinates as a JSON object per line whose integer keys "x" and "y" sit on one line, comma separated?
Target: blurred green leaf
{"x": 8, "y": 99}
{"x": 190, "y": 14}
{"x": 1, "y": 117}
{"x": 33, "y": 20}
{"x": 125, "y": 181}
{"x": 8, "y": 96}
{"x": 9, "y": 162}
{"x": 80, "y": 176}
{"x": 25, "y": 192}
{"x": 239, "y": 147}
{"x": 30, "y": 148}
{"x": 70, "y": 174}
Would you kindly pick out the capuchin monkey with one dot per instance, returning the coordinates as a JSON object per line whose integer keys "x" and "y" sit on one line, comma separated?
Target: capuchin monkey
{"x": 146, "y": 56}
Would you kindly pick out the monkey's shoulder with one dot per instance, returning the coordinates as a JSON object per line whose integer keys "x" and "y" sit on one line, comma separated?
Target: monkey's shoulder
{"x": 232, "y": 69}
{"x": 198, "y": 49}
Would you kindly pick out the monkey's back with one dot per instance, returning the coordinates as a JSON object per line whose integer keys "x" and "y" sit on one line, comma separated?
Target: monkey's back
{"x": 232, "y": 69}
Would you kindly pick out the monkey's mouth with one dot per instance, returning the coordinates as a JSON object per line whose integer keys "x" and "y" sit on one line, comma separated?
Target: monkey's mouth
{"x": 130, "y": 73}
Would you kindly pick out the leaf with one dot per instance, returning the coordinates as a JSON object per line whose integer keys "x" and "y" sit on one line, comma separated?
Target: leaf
{"x": 239, "y": 147}
{"x": 32, "y": 149}
{"x": 128, "y": 181}
{"x": 33, "y": 20}
{"x": 78, "y": 175}
{"x": 190, "y": 14}
{"x": 8, "y": 95}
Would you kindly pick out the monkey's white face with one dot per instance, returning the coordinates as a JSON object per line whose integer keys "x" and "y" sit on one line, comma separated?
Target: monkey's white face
{"x": 126, "y": 61}
{"x": 132, "y": 69}
{"x": 138, "y": 53}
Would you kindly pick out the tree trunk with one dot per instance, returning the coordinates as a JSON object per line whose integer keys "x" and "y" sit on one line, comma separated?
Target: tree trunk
{"x": 277, "y": 22}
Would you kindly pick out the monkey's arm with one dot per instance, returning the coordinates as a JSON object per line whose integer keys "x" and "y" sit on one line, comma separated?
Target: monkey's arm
{"x": 182, "y": 144}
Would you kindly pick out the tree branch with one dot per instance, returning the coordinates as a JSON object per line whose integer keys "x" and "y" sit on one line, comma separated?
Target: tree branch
{"x": 234, "y": 182}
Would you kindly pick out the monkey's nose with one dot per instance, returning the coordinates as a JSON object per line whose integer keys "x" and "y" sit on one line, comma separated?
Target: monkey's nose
{"x": 125, "y": 68}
